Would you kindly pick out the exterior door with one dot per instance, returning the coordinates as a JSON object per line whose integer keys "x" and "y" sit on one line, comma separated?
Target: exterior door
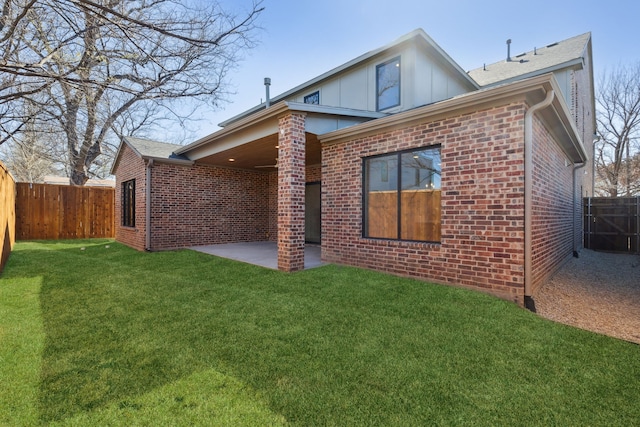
{"x": 312, "y": 214}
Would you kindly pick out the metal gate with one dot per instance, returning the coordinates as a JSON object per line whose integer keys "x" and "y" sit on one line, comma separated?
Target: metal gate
{"x": 612, "y": 224}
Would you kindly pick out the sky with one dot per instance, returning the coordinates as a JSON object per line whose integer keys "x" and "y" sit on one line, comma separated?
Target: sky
{"x": 300, "y": 39}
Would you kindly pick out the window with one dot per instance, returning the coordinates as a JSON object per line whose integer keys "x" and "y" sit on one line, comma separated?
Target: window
{"x": 388, "y": 84}
{"x": 313, "y": 98}
{"x": 129, "y": 203}
{"x": 402, "y": 195}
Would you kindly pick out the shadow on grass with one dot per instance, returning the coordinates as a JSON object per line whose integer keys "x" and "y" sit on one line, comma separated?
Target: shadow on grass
{"x": 330, "y": 345}
{"x": 119, "y": 324}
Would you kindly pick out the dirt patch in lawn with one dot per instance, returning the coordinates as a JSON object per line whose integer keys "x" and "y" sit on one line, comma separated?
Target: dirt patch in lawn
{"x": 597, "y": 291}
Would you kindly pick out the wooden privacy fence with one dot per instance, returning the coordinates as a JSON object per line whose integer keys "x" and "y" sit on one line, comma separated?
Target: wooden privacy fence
{"x": 50, "y": 212}
{"x": 420, "y": 210}
{"x": 612, "y": 224}
{"x": 7, "y": 214}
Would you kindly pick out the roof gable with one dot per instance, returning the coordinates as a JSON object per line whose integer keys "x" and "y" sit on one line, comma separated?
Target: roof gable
{"x": 555, "y": 56}
{"x": 150, "y": 149}
{"x": 418, "y": 37}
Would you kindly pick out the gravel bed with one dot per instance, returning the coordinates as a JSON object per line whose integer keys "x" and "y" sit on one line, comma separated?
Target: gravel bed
{"x": 598, "y": 291}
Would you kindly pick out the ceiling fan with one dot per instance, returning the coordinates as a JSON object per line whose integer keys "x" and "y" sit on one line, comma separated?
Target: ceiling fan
{"x": 268, "y": 166}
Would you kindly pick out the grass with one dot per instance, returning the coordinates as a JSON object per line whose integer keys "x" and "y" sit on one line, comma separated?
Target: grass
{"x": 110, "y": 336}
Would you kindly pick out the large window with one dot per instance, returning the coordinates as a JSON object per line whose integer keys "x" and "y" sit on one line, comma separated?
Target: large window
{"x": 402, "y": 195}
{"x": 388, "y": 84}
{"x": 129, "y": 203}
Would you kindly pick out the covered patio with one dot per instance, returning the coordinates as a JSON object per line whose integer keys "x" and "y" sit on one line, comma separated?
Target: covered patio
{"x": 264, "y": 254}
{"x": 282, "y": 140}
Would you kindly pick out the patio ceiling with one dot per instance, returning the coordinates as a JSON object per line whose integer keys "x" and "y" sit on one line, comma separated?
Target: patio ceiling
{"x": 260, "y": 152}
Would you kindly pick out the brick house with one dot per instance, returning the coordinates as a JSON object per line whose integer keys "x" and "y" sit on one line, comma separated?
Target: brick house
{"x": 397, "y": 161}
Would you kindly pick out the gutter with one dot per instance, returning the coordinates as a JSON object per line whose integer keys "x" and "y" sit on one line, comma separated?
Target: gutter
{"x": 528, "y": 195}
{"x": 147, "y": 237}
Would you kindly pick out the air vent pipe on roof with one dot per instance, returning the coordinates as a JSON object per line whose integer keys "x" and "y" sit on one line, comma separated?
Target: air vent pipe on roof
{"x": 509, "y": 50}
{"x": 267, "y": 83}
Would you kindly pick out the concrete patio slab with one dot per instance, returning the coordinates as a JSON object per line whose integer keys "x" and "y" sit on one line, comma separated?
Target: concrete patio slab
{"x": 264, "y": 254}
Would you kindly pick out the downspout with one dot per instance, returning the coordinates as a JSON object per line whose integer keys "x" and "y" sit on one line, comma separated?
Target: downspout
{"x": 575, "y": 168}
{"x": 147, "y": 237}
{"x": 528, "y": 196}
{"x": 596, "y": 139}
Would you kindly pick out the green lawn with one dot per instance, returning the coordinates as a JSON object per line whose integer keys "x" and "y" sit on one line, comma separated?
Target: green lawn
{"x": 111, "y": 336}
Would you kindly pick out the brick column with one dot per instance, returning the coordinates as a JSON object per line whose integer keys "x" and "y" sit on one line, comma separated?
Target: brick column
{"x": 291, "y": 181}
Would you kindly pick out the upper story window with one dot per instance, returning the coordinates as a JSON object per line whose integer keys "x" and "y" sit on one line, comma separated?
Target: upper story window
{"x": 388, "y": 84}
{"x": 313, "y": 98}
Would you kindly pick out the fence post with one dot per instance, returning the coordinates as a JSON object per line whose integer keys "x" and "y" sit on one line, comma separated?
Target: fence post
{"x": 638, "y": 224}
{"x": 589, "y": 221}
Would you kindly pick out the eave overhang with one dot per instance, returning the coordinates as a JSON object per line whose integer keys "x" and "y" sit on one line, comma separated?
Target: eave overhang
{"x": 264, "y": 123}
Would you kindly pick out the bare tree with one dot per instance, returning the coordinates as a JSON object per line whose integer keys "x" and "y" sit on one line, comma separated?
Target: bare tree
{"x": 629, "y": 180}
{"x": 618, "y": 119}
{"x": 30, "y": 155}
{"x": 98, "y": 67}
{"x": 27, "y": 162}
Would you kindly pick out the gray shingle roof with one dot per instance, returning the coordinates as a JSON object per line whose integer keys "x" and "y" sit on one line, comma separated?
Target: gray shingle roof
{"x": 150, "y": 148}
{"x": 542, "y": 60}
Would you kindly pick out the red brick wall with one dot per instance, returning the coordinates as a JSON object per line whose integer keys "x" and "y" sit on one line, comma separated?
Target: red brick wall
{"x": 273, "y": 206}
{"x": 291, "y": 192}
{"x": 552, "y": 207}
{"x": 482, "y": 203}
{"x": 312, "y": 174}
{"x": 131, "y": 166}
{"x": 200, "y": 204}
{"x": 179, "y": 192}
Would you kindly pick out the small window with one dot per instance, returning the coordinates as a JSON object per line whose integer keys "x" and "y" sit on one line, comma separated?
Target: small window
{"x": 129, "y": 203}
{"x": 313, "y": 98}
{"x": 402, "y": 195}
{"x": 388, "y": 84}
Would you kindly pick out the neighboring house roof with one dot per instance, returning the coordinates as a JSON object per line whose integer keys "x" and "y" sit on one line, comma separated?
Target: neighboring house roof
{"x": 418, "y": 35}
{"x": 546, "y": 59}
{"x": 63, "y": 180}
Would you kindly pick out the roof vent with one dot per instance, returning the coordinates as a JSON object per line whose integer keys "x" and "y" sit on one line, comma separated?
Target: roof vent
{"x": 267, "y": 83}
{"x": 552, "y": 44}
{"x": 509, "y": 50}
